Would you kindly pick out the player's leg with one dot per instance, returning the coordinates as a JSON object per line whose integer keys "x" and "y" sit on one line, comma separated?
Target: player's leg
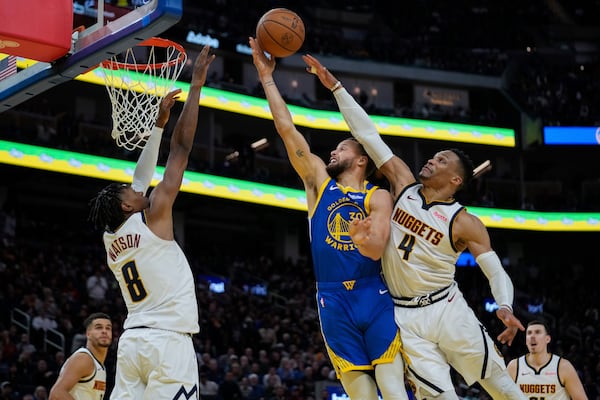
{"x": 381, "y": 339}
{"x": 501, "y": 386}
{"x": 344, "y": 341}
{"x": 428, "y": 369}
{"x": 390, "y": 379}
{"x": 128, "y": 381}
{"x": 473, "y": 353}
{"x": 359, "y": 385}
{"x": 174, "y": 373}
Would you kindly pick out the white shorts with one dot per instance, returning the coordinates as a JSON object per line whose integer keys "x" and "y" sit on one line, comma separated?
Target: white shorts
{"x": 155, "y": 364}
{"x": 445, "y": 333}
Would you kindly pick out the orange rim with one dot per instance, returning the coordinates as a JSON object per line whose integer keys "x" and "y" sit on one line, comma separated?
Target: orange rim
{"x": 151, "y": 42}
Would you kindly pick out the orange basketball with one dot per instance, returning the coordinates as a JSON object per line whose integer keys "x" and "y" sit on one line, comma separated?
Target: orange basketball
{"x": 280, "y": 32}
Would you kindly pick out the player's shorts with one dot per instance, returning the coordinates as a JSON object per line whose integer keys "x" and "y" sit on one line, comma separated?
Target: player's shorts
{"x": 444, "y": 330}
{"x": 155, "y": 364}
{"x": 357, "y": 322}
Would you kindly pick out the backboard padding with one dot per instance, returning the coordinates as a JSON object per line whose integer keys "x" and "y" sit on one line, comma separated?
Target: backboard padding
{"x": 113, "y": 38}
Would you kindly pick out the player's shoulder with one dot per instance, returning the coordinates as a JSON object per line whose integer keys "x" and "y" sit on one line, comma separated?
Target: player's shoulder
{"x": 563, "y": 363}
{"x": 464, "y": 216}
{"x": 381, "y": 196}
{"x": 467, "y": 225}
{"x": 80, "y": 359}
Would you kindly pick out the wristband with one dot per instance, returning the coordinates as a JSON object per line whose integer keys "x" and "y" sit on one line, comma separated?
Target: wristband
{"x": 337, "y": 85}
{"x": 508, "y": 307}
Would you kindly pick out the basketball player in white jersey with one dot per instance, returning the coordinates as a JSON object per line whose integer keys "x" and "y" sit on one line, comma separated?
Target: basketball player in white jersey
{"x": 83, "y": 376}
{"x": 156, "y": 357}
{"x": 542, "y": 375}
{"x": 429, "y": 230}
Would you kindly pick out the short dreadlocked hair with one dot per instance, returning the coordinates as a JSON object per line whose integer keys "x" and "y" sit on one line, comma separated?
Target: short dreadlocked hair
{"x": 105, "y": 209}
{"x": 466, "y": 166}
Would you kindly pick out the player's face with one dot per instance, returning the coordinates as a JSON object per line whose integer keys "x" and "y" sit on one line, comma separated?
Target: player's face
{"x": 342, "y": 158}
{"x": 99, "y": 333}
{"x": 443, "y": 165}
{"x": 135, "y": 200}
{"x": 536, "y": 338}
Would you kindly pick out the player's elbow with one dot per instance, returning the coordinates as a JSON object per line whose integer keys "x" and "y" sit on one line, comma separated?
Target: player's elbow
{"x": 285, "y": 127}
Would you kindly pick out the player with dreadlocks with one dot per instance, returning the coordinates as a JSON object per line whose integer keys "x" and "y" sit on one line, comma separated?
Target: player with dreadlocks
{"x": 156, "y": 357}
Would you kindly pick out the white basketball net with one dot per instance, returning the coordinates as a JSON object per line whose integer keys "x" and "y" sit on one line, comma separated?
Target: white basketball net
{"x": 135, "y": 88}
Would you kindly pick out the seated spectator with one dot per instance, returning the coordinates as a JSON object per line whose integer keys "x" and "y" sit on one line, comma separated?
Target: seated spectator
{"x": 40, "y": 393}
{"x": 257, "y": 390}
{"x": 97, "y": 286}
{"x": 6, "y": 391}
{"x": 209, "y": 390}
{"x": 229, "y": 389}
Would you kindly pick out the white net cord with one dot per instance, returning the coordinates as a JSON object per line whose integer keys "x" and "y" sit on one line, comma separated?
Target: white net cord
{"x": 136, "y": 95}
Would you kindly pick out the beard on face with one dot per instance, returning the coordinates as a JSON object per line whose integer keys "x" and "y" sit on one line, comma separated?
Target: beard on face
{"x": 335, "y": 169}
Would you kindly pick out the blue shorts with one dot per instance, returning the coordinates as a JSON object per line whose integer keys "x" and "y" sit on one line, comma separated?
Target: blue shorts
{"x": 357, "y": 322}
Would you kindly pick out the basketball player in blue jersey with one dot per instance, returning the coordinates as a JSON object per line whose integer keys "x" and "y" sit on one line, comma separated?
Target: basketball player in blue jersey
{"x": 541, "y": 374}
{"x": 429, "y": 230}
{"x": 155, "y": 357}
{"x": 83, "y": 376}
{"x": 355, "y": 310}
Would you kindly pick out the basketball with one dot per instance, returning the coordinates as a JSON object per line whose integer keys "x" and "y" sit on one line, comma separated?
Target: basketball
{"x": 280, "y": 32}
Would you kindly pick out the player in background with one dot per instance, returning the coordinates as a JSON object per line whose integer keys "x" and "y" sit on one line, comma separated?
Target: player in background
{"x": 355, "y": 310}
{"x": 83, "y": 376}
{"x": 156, "y": 357}
{"x": 541, "y": 374}
{"x": 429, "y": 230}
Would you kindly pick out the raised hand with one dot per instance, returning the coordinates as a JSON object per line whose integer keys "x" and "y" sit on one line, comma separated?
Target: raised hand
{"x": 314, "y": 67}
{"x": 201, "y": 65}
{"x": 512, "y": 323}
{"x": 164, "y": 109}
{"x": 263, "y": 64}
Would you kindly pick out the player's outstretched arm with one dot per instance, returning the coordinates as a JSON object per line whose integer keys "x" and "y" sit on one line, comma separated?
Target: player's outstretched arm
{"x": 146, "y": 164}
{"x": 182, "y": 140}
{"x": 184, "y": 132}
{"x": 308, "y": 166}
{"x": 363, "y": 129}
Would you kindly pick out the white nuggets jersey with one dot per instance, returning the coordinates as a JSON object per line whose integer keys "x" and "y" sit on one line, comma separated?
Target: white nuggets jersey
{"x": 420, "y": 256}
{"x": 154, "y": 276}
{"x": 90, "y": 387}
{"x": 543, "y": 384}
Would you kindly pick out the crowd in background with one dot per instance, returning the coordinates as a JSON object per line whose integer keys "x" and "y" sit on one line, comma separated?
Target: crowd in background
{"x": 544, "y": 50}
{"x": 253, "y": 344}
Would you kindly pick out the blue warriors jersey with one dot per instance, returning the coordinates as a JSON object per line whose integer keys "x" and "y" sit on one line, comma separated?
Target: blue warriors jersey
{"x": 356, "y": 311}
{"x": 335, "y": 258}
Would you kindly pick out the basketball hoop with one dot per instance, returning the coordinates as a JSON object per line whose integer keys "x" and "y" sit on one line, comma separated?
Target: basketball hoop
{"x": 136, "y": 83}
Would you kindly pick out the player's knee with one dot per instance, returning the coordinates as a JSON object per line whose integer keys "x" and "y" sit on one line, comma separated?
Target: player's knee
{"x": 390, "y": 379}
{"x": 359, "y": 385}
{"x": 449, "y": 395}
{"x": 501, "y": 386}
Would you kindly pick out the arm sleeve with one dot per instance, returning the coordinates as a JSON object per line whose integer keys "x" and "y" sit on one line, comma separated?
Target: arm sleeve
{"x": 362, "y": 128}
{"x": 500, "y": 283}
{"x": 144, "y": 169}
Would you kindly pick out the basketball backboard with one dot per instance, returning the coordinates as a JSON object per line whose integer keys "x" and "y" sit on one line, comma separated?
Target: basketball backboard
{"x": 120, "y": 27}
